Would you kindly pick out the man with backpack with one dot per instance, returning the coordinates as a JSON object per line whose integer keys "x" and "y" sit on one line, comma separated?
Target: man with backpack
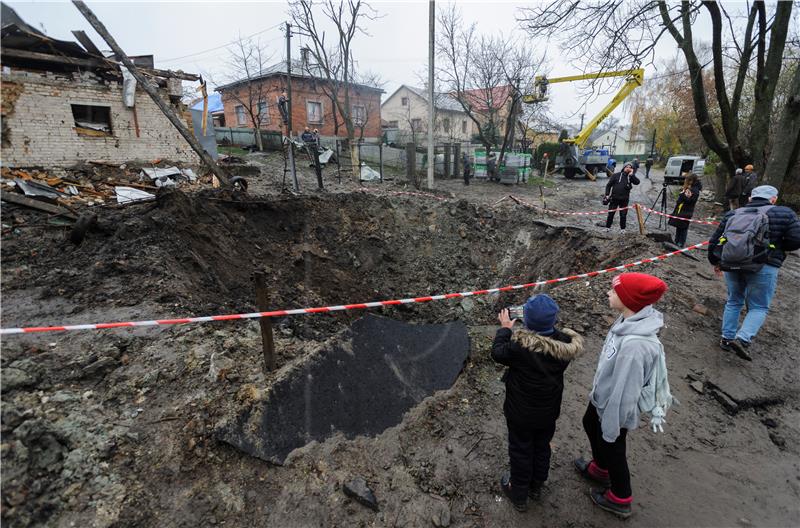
{"x": 749, "y": 246}
{"x": 631, "y": 379}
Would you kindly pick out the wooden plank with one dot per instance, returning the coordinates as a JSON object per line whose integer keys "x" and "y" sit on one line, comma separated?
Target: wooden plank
{"x": 86, "y": 42}
{"x": 262, "y": 302}
{"x": 35, "y": 204}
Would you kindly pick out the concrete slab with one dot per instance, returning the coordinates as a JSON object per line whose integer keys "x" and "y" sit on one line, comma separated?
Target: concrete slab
{"x": 360, "y": 385}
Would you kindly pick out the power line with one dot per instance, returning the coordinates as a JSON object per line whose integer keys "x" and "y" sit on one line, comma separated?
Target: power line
{"x": 220, "y": 47}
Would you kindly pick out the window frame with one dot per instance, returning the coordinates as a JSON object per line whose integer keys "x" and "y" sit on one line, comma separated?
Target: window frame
{"x": 321, "y": 112}
{"x": 355, "y": 114}
{"x": 241, "y": 117}
{"x": 404, "y": 101}
{"x": 263, "y": 117}
{"x": 91, "y": 117}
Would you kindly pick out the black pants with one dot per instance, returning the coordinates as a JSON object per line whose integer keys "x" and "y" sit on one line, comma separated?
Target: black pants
{"x": 680, "y": 236}
{"x": 529, "y": 455}
{"x": 466, "y": 178}
{"x": 623, "y": 215}
{"x": 608, "y": 456}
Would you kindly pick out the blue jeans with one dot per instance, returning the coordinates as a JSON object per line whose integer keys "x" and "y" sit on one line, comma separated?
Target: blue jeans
{"x": 757, "y": 290}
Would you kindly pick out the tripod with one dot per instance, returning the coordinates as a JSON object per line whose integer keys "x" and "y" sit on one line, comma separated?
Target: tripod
{"x": 662, "y": 195}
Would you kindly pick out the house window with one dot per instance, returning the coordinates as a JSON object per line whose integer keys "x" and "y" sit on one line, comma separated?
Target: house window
{"x": 416, "y": 124}
{"x": 314, "y": 112}
{"x": 464, "y": 127}
{"x": 92, "y": 121}
{"x": 359, "y": 115}
{"x": 263, "y": 113}
{"x": 404, "y": 101}
{"x": 446, "y": 125}
{"x": 240, "y": 117}
{"x": 393, "y": 124}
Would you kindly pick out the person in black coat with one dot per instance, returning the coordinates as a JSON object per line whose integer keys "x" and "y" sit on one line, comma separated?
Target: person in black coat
{"x": 684, "y": 206}
{"x": 467, "y": 167}
{"x": 618, "y": 192}
{"x": 537, "y": 356}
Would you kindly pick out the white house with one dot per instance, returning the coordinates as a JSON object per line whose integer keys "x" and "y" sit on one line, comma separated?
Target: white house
{"x": 623, "y": 146}
{"x": 406, "y": 110}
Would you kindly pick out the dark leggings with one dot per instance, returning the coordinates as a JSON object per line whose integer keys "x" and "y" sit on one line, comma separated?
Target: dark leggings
{"x": 680, "y": 236}
{"x": 529, "y": 455}
{"x": 623, "y": 215}
{"x": 609, "y": 456}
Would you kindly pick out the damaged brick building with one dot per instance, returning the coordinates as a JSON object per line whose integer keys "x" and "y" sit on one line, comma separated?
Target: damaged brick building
{"x": 63, "y": 104}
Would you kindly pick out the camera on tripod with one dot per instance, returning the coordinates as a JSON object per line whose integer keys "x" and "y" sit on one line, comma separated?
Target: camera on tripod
{"x": 673, "y": 180}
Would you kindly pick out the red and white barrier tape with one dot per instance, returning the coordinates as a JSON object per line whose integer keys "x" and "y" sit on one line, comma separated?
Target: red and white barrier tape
{"x": 643, "y": 208}
{"x": 339, "y": 308}
{"x": 605, "y": 211}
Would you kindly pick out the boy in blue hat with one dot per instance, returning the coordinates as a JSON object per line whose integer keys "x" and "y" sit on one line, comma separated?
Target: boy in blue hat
{"x": 537, "y": 356}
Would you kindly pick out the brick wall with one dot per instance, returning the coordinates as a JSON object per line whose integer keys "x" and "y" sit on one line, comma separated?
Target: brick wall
{"x": 302, "y": 92}
{"x": 39, "y": 126}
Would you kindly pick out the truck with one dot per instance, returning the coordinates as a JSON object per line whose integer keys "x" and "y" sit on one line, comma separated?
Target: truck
{"x": 575, "y": 157}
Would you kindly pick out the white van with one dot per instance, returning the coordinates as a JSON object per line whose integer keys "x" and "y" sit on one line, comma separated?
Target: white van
{"x": 677, "y": 165}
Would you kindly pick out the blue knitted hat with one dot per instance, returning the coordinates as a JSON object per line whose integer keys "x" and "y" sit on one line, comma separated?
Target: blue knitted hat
{"x": 540, "y": 314}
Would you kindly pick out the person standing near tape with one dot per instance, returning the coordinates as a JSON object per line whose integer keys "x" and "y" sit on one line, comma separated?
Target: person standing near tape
{"x": 751, "y": 253}
{"x": 734, "y": 189}
{"x": 618, "y": 193}
{"x": 684, "y": 207}
{"x": 536, "y": 356}
{"x": 631, "y": 377}
{"x": 467, "y": 167}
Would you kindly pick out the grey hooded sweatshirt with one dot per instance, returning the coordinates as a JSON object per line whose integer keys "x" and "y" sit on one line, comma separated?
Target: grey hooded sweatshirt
{"x": 626, "y": 363}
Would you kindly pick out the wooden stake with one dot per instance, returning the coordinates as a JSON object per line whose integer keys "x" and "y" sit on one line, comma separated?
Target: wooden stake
{"x": 262, "y": 302}
{"x": 642, "y": 230}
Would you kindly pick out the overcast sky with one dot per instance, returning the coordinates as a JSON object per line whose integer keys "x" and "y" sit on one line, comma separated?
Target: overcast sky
{"x": 192, "y": 36}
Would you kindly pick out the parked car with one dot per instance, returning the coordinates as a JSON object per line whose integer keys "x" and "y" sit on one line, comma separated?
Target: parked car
{"x": 677, "y": 165}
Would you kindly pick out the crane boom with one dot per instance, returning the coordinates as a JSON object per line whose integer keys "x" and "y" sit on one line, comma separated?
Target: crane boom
{"x": 635, "y": 78}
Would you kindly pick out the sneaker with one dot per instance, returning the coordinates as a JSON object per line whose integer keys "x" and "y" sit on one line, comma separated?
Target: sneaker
{"x": 740, "y": 347}
{"x": 725, "y": 344}
{"x": 606, "y": 501}
{"x": 505, "y": 485}
{"x": 535, "y": 490}
{"x": 583, "y": 467}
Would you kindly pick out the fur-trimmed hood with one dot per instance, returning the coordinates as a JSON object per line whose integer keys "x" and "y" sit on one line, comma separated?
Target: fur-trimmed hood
{"x": 547, "y": 345}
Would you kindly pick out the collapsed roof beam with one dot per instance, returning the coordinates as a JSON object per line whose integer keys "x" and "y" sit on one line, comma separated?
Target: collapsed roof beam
{"x": 152, "y": 92}
{"x": 90, "y": 63}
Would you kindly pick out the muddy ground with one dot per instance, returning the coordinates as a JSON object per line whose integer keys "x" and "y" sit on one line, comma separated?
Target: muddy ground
{"x": 116, "y": 427}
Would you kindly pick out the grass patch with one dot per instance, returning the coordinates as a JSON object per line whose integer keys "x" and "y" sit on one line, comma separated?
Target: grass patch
{"x": 535, "y": 180}
{"x": 231, "y": 151}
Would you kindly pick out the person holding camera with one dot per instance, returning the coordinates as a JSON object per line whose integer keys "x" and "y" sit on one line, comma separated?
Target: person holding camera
{"x": 618, "y": 192}
{"x": 536, "y": 354}
{"x": 684, "y": 206}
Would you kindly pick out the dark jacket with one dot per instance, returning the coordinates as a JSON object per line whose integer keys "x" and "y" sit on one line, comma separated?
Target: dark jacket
{"x": 784, "y": 232}
{"x": 620, "y": 184}
{"x": 308, "y": 137}
{"x": 735, "y": 187}
{"x": 684, "y": 207}
{"x": 749, "y": 182}
{"x": 535, "y": 378}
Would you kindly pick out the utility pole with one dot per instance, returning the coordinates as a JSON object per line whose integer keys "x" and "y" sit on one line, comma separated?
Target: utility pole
{"x": 582, "y": 116}
{"x": 289, "y": 132}
{"x": 653, "y": 145}
{"x": 151, "y": 91}
{"x": 431, "y": 35}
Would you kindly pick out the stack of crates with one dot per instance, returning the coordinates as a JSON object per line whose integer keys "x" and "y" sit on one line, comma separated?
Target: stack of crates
{"x": 525, "y": 170}
{"x": 480, "y": 163}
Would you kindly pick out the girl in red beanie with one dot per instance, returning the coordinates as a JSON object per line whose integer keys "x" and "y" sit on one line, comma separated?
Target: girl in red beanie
{"x": 632, "y": 357}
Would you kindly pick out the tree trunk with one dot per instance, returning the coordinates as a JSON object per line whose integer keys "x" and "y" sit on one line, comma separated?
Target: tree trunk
{"x": 259, "y": 140}
{"x": 785, "y": 143}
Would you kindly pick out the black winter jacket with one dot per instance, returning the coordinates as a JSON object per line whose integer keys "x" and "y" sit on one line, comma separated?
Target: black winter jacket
{"x": 684, "y": 207}
{"x": 535, "y": 378}
{"x": 784, "y": 232}
{"x": 620, "y": 184}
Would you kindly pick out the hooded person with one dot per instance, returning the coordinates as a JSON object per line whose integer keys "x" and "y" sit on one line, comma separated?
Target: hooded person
{"x": 536, "y": 354}
{"x": 630, "y": 378}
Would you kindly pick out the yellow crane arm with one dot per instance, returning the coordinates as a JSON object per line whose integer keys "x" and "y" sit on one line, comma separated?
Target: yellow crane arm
{"x": 635, "y": 78}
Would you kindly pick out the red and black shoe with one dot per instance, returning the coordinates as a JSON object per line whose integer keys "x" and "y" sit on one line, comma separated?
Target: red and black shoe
{"x": 611, "y": 503}
{"x": 590, "y": 470}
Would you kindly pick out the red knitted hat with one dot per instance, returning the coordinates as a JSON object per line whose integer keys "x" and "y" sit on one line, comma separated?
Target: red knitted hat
{"x": 637, "y": 290}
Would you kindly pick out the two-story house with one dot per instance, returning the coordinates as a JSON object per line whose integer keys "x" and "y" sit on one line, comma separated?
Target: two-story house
{"x": 406, "y": 110}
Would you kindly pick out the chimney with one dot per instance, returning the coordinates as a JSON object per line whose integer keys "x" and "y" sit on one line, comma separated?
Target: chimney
{"x": 304, "y": 58}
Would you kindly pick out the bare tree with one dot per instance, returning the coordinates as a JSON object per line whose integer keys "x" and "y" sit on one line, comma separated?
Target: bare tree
{"x": 486, "y": 75}
{"x": 625, "y": 34}
{"x": 334, "y": 61}
{"x": 246, "y": 64}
